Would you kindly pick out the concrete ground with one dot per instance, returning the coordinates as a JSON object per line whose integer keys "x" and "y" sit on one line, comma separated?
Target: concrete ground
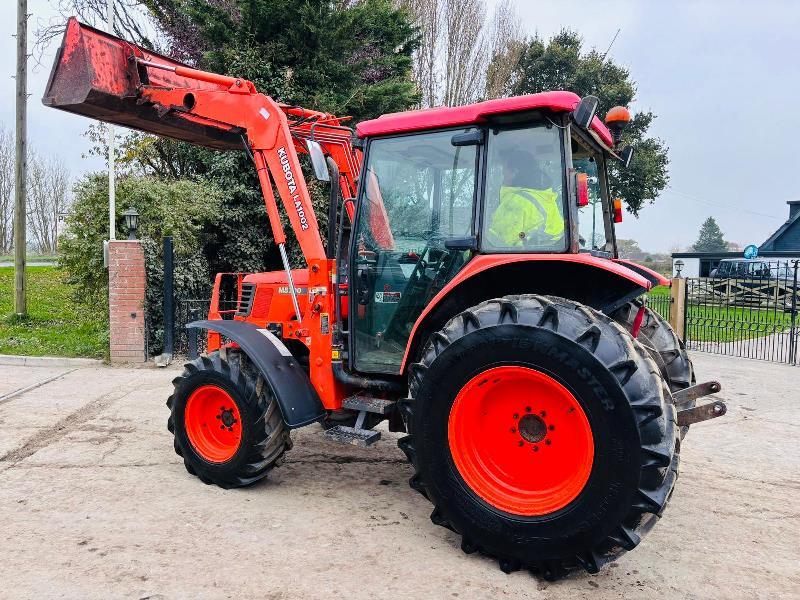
{"x": 95, "y": 504}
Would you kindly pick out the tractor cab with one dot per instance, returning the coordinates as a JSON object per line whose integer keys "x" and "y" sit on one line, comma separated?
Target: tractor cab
{"x": 506, "y": 177}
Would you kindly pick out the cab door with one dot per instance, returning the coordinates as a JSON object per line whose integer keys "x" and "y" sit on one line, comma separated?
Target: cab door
{"x": 416, "y": 209}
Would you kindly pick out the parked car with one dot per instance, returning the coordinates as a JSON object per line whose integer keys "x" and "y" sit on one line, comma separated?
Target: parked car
{"x": 743, "y": 268}
{"x": 757, "y": 283}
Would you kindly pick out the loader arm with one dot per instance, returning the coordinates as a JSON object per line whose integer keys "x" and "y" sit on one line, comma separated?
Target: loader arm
{"x": 107, "y": 78}
{"x": 103, "y": 77}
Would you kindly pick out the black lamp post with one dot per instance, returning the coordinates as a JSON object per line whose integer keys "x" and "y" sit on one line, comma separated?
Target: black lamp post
{"x": 678, "y": 267}
{"x": 131, "y": 217}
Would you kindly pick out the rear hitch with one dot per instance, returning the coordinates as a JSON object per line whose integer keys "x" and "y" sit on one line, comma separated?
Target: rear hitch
{"x": 705, "y": 412}
{"x": 697, "y": 414}
{"x": 695, "y": 392}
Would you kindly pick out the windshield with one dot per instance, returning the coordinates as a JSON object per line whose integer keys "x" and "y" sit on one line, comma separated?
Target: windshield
{"x": 593, "y": 229}
{"x": 524, "y": 203}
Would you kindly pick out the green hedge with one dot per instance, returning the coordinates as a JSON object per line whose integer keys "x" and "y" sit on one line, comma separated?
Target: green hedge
{"x": 183, "y": 209}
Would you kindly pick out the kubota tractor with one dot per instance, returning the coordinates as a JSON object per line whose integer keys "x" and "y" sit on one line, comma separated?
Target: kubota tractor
{"x": 468, "y": 291}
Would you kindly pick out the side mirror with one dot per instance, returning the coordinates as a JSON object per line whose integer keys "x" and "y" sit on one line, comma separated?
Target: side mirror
{"x": 318, "y": 161}
{"x": 585, "y": 111}
{"x": 626, "y": 156}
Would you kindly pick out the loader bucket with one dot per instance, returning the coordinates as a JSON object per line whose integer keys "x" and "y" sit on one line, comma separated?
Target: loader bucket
{"x": 97, "y": 75}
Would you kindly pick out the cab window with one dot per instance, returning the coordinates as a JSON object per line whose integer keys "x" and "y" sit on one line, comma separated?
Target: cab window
{"x": 419, "y": 192}
{"x": 524, "y": 201}
{"x": 594, "y": 223}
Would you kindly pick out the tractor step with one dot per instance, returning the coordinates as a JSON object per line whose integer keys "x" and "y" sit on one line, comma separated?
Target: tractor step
{"x": 351, "y": 435}
{"x": 359, "y": 402}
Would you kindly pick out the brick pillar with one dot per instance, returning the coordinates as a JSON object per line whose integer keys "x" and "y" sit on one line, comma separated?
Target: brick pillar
{"x": 126, "y": 281}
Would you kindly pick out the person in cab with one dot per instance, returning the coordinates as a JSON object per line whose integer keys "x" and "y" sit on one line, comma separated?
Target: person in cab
{"x": 529, "y": 213}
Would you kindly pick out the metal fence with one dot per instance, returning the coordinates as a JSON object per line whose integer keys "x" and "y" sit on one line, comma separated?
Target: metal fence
{"x": 659, "y": 301}
{"x": 751, "y": 311}
{"x": 190, "y": 342}
{"x": 752, "y": 314}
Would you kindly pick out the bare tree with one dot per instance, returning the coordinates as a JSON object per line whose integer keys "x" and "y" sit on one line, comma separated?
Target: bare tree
{"x": 131, "y": 21}
{"x": 427, "y": 15}
{"x": 48, "y": 200}
{"x": 506, "y": 43}
{"x": 457, "y": 47}
{"x": 6, "y": 188}
{"x": 466, "y": 56}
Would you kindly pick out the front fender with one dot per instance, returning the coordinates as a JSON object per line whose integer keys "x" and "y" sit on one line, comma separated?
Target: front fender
{"x": 298, "y": 400}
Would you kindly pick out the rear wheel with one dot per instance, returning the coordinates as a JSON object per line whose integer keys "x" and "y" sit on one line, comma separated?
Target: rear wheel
{"x": 658, "y": 337}
{"x": 541, "y": 432}
{"x": 226, "y": 423}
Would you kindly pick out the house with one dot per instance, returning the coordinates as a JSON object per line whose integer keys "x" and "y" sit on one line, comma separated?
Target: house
{"x": 787, "y": 237}
{"x": 781, "y": 246}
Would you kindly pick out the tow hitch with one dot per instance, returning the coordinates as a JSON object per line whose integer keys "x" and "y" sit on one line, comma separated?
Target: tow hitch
{"x": 690, "y": 416}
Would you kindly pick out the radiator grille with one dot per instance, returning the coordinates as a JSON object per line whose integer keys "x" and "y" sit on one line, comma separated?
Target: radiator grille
{"x": 246, "y": 300}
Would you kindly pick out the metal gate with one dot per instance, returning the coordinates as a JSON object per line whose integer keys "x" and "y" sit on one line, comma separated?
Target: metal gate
{"x": 192, "y": 342}
{"x": 752, "y": 314}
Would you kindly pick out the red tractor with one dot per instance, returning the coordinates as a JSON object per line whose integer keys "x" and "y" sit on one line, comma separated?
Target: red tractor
{"x": 468, "y": 291}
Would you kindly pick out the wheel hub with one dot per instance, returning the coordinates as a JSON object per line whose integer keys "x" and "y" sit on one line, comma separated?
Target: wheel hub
{"x": 532, "y": 428}
{"x": 213, "y": 424}
{"x": 226, "y": 416}
{"x": 520, "y": 440}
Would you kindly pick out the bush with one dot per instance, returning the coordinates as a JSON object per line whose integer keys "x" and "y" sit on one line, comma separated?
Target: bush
{"x": 181, "y": 208}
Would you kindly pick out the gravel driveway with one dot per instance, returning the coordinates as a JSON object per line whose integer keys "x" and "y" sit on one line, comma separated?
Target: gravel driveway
{"x": 95, "y": 504}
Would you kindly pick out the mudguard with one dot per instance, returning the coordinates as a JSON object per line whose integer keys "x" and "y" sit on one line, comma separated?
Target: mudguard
{"x": 298, "y": 400}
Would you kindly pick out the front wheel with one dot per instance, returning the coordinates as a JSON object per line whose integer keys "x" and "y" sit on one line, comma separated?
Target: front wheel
{"x": 226, "y": 423}
{"x": 542, "y": 433}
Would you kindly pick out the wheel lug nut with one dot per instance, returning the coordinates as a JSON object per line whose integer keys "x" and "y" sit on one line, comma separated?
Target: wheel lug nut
{"x": 548, "y": 442}
{"x": 527, "y": 409}
{"x": 218, "y": 417}
{"x": 551, "y": 427}
{"x": 536, "y": 448}
{"x": 516, "y": 415}
{"x": 230, "y": 428}
{"x": 222, "y": 426}
{"x": 521, "y": 443}
{"x": 513, "y": 430}
{"x": 543, "y": 413}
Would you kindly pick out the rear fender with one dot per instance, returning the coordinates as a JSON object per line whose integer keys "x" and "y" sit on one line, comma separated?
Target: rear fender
{"x": 601, "y": 283}
{"x": 298, "y": 400}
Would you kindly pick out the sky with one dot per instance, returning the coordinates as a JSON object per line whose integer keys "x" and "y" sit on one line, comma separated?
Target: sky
{"x": 721, "y": 75}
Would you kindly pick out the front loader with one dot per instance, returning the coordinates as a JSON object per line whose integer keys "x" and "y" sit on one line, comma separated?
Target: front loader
{"x": 468, "y": 292}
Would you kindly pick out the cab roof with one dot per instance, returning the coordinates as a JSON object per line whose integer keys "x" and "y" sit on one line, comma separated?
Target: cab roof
{"x": 471, "y": 114}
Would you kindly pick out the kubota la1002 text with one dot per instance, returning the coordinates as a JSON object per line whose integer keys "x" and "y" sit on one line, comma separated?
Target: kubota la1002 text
{"x": 468, "y": 291}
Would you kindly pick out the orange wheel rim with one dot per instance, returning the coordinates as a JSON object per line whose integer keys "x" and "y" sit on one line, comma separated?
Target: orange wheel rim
{"x": 521, "y": 441}
{"x": 213, "y": 424}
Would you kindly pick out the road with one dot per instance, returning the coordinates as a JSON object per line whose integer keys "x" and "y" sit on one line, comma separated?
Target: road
{"x": 95, "y": 504}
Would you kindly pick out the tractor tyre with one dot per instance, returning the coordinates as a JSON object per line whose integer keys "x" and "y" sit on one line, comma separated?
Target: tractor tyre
{"x": 542, "y": 433}
{"x": 226, "y": 423}
{"x": 657, "y": 335}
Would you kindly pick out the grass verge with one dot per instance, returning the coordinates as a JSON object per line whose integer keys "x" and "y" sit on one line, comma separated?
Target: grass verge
{"x": 55, "y": 325}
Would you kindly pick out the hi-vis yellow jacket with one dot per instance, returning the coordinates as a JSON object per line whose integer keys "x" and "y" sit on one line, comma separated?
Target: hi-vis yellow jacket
{"x": 525, "y": 211}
